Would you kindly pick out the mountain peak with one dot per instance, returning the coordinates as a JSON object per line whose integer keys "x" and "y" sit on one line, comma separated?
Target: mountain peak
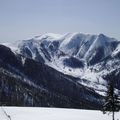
{"x": 88, "y": 57}
{"x": 101, "y": 35}
{"x": 50, "y": 36}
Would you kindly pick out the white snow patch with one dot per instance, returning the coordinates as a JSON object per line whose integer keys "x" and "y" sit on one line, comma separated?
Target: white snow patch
{"x": 49, "y": 36}
{"x": 117, "y": 50}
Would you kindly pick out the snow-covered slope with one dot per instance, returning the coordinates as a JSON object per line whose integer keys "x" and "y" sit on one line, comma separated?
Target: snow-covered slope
{"x": 81, "y": 46}
{"x": 85, "y": 56}
{"x": 25, "y": 113}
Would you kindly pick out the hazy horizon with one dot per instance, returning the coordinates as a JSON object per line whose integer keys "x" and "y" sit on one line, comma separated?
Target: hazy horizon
{"x": 27, "y": 18}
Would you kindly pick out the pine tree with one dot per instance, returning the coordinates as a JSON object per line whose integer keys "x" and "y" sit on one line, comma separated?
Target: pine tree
{"x": 112, "y": 100}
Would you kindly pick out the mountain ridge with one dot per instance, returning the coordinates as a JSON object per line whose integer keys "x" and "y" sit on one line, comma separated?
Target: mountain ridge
{"x": 90, "y": 60}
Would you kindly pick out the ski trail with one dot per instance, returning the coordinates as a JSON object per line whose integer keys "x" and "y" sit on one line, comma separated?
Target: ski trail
{"x": 4, "y": 115}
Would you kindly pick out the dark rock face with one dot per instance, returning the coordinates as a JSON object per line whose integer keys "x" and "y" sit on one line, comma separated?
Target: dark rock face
{"x": 97, "y": 57}
{"x": 35, "y": 84}
{"x": 73, "y": 62}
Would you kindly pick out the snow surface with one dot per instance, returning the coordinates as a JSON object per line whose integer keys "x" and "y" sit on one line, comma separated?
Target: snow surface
{"x": 25, "y": 113}
{"x": 50, "y": 36}
{"x": 117, "y": 50}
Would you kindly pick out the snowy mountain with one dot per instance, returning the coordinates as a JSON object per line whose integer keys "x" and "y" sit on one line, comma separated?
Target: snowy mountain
{"x": 82, "y": 59}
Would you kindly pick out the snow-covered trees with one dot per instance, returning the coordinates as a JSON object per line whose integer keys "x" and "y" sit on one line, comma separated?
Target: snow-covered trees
{"x": 112, "y": 100}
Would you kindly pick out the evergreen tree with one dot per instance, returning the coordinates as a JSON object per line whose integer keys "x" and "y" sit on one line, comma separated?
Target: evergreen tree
{"x": 112, "y": 100}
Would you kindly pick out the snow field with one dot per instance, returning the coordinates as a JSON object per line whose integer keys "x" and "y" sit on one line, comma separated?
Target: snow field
{"x": 33, "y": 113}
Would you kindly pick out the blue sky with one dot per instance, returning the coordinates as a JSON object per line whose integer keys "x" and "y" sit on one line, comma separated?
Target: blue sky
{"x": 23, "y": 19}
